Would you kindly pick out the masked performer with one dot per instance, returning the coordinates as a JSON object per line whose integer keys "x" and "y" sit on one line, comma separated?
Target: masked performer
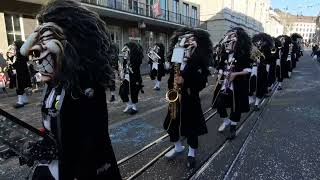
{"x": 114, "y": 58}
{"x": 129, "y": 67}
{"x": 282, "y": 67}
{"x": 70, "y": 47}
{"x": 295, "y": 54}
{"x": 234, "y": 91}
{"x": 275, "y": 66}
{"x": 272, "y": 64}
{"x": 156, "y": 61}
{"x": 190, "y": 52}
{"x": 221, "y": 58}
{"x": 261, "y": 56}
{"x": 18, "y": 69}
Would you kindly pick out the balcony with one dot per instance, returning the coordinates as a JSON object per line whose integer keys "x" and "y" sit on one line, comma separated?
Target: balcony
{"x": 136, "y": 11}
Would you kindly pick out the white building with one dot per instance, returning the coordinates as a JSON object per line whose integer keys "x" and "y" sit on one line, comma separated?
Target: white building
{"x": 306, "y": 28}
{"x": 304, "y": 25}
{"x": 221, "y": 15}
{"x": 274, "y": 26}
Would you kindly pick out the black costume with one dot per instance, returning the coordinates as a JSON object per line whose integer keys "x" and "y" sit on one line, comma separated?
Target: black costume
{"x": 156, "y": 62}
{"x": 234, "y": 94}
{"x": 114, "y": 58}
{"x": 295, "y": 53}
{"x": 75, "y": 67}
{"x": 282, "y": 69}
{"x": 275, "y": 62}
{"x": 262, "y": 60}
{"x": 131, "y": 77}
{"x": 189, "y": 121}
{"x": 21, "y": 67}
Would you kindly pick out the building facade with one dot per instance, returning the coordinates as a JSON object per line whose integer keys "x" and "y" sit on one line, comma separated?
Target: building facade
{"x": 304, "y": 25}
{"x": 126, "y": 20}
{"x": 221, "y": 15}
{"x": 274, "y": 26}
{"x": 317, "y": 37}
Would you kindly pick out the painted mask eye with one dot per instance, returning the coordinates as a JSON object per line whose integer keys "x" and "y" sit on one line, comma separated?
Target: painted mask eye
{"x": 35, "y": 53}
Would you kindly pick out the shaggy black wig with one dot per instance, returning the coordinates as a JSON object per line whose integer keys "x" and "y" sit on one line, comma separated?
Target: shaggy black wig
{"x": 267, "y": 43}
{"x": 114, "y": 55}
{"x": 243, "y": 45}
{"x": 287, "y": 42}
{"x": 85, "y": 61}
{"x": 295, "y": 36}
{"x": 136, "y": 53}
{"x": 203, "y": 52}
{"x": 277, "y": 42}
{"x": 18, "y": 44}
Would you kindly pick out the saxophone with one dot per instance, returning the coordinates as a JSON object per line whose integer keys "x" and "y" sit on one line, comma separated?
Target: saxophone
{"x": 173, "y": 95}
{"x": 179, "y": 57}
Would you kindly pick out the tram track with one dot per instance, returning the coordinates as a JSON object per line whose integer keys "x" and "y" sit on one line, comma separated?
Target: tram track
{"x": 162, "y": 153}
{"x": 213, "y": 156}
{"x": 210, "y": 158}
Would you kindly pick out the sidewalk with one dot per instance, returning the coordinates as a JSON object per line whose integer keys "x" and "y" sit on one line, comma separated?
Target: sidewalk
{"x": 12, "y": 92}
{"x": 286, "y": 142}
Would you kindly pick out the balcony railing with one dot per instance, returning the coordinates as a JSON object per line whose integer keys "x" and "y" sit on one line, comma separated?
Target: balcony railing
{"x": 145, "y": 10}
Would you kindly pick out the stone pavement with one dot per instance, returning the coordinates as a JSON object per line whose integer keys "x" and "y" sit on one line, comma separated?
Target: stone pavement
{"x": 286, "y": 141}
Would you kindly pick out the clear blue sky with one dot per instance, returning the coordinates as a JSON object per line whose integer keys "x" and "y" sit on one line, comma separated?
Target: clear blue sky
{"x": 300, "y": 7}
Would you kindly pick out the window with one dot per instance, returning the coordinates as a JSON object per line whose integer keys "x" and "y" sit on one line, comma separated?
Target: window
{"x": 13, "y": 28}
{"x": 133, "y": 6}
{"x": 194, "y": 15}
{"x": 116, "y": 35}
{"x": 163, "y": 5}
{"x": 185, "y": 13}
{"x": 149, "y": 8}
{"x": 175, "y": 9}
{"x": 185, "y": 10}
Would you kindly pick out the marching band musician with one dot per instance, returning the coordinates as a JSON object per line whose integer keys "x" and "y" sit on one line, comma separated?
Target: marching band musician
{"x": 189, "y": 53}
{"x": 19, "y": 72}
{"x": 295, "y": 53}
{"x": 129, "y": 67}
{"x": 114, "y": 58}
{"x": 282, "y": 68}
{"x": 261, "y": 56}
{"x": 234, "y": 91}
{"x": 74, "y": 63}
{"x": 275, "y": 63}
{"x": 289, "y": 59}
{"x": 156, "y": 61}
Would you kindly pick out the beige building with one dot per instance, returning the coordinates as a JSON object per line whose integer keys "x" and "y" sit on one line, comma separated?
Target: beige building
{"x": 317, "y": 38}
{"x": 221, "y": 15}
{"x": 304, "y": 25}
{"x": 274, "y": 26}
{"x": 126, "y": 19}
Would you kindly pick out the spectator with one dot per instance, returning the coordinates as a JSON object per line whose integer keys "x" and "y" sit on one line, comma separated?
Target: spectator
{"x": 3, "y": 81}
{"x": 23, "y": 80}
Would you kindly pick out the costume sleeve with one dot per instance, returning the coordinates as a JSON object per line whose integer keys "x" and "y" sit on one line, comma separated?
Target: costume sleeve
{"x": 195, "y": 78}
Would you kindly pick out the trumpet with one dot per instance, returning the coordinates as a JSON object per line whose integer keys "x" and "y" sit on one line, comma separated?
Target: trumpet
{"x": 153, "y": 55}
{"x": 273, "y": 50}
{"x": 256, "y": 54}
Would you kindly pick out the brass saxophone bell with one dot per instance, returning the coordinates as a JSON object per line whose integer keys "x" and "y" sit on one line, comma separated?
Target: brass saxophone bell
{"x": 172, "y": 96}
